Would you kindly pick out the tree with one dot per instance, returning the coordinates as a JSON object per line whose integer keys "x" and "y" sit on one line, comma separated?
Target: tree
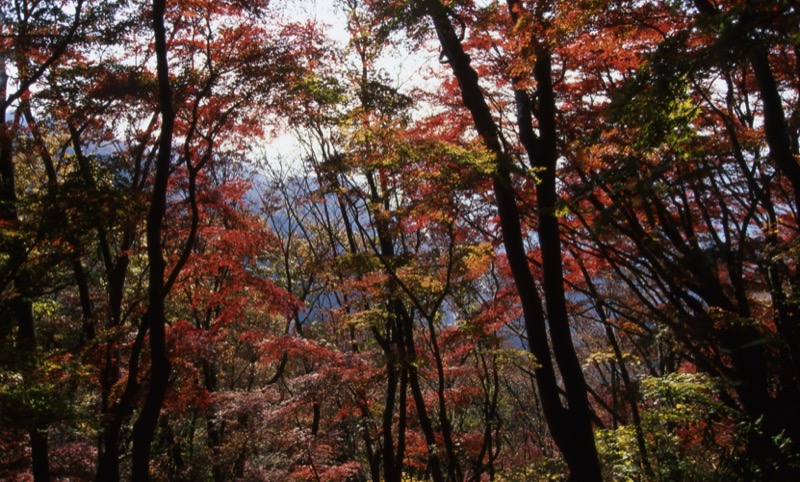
{"x": 570, "y": 425}
{"x": 563, "y": 247}
{"x": 19, "y": 287}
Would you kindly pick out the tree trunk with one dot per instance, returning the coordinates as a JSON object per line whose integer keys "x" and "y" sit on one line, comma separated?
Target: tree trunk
{"x": 154, "y": 319}
{"x": 19, "y": 304}
{"x": 570, "y": 427}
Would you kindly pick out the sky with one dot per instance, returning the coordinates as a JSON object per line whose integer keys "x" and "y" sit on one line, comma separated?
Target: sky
{"x": 404, "y": 68}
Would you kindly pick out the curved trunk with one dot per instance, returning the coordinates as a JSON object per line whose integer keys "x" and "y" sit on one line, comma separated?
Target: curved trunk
{"x": 154, "y": 319}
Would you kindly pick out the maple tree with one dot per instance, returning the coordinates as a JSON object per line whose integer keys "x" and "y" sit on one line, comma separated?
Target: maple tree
{"x": 564, "y": 247}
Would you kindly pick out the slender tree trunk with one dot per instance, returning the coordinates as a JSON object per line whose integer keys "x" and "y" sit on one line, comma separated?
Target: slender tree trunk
{"x": 584, "y": 463}
{"x": 116, "y": 269}
{"x": 154, "y": 319}
{"x": 629, "y": 394}
{"x": 407, "y": 323}
{"x": 19, "y": 303}
{"x": 404, "y": 328}
{"x": 454, "y": 472}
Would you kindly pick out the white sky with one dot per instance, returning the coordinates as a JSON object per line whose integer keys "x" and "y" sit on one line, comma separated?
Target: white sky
{"x": 405, "y": 69}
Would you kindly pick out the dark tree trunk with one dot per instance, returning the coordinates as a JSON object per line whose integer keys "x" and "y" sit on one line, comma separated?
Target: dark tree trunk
{"x": 39, "y": 455}
{"x": 19, "y": 305}
{"x": 407, "y": 325}
{"x": 570, "y": 427}
{"x": 580, "y": 451}
{"x": 778, "y": 412}
{"x": 154, "y": 319}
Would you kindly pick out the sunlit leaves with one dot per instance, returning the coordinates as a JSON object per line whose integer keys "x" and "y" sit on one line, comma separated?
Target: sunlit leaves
{"x": 689, "y": 431}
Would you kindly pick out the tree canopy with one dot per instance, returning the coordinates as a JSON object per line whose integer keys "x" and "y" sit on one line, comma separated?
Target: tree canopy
{"x": 510, "y": 241}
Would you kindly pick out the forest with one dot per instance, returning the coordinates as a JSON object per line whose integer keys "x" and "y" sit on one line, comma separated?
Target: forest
{"x": 400, "y": 240}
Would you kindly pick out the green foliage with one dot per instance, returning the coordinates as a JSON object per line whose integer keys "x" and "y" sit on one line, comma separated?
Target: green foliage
{"x": 378, "y": 96}
{"x": 655, "y": 104}
{"x": 323, "y": 90}
{"x": 545, "y": 469}
{"x": 36, "y": 394}
{"x": 366, "y": 319}
{"x": 684, "y": 425}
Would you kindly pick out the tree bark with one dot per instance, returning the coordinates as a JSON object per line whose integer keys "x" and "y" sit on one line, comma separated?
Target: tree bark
{"x": 19, "y": 304}
{"x": 570, "y": 426}
{"x": 154, "y": 318}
